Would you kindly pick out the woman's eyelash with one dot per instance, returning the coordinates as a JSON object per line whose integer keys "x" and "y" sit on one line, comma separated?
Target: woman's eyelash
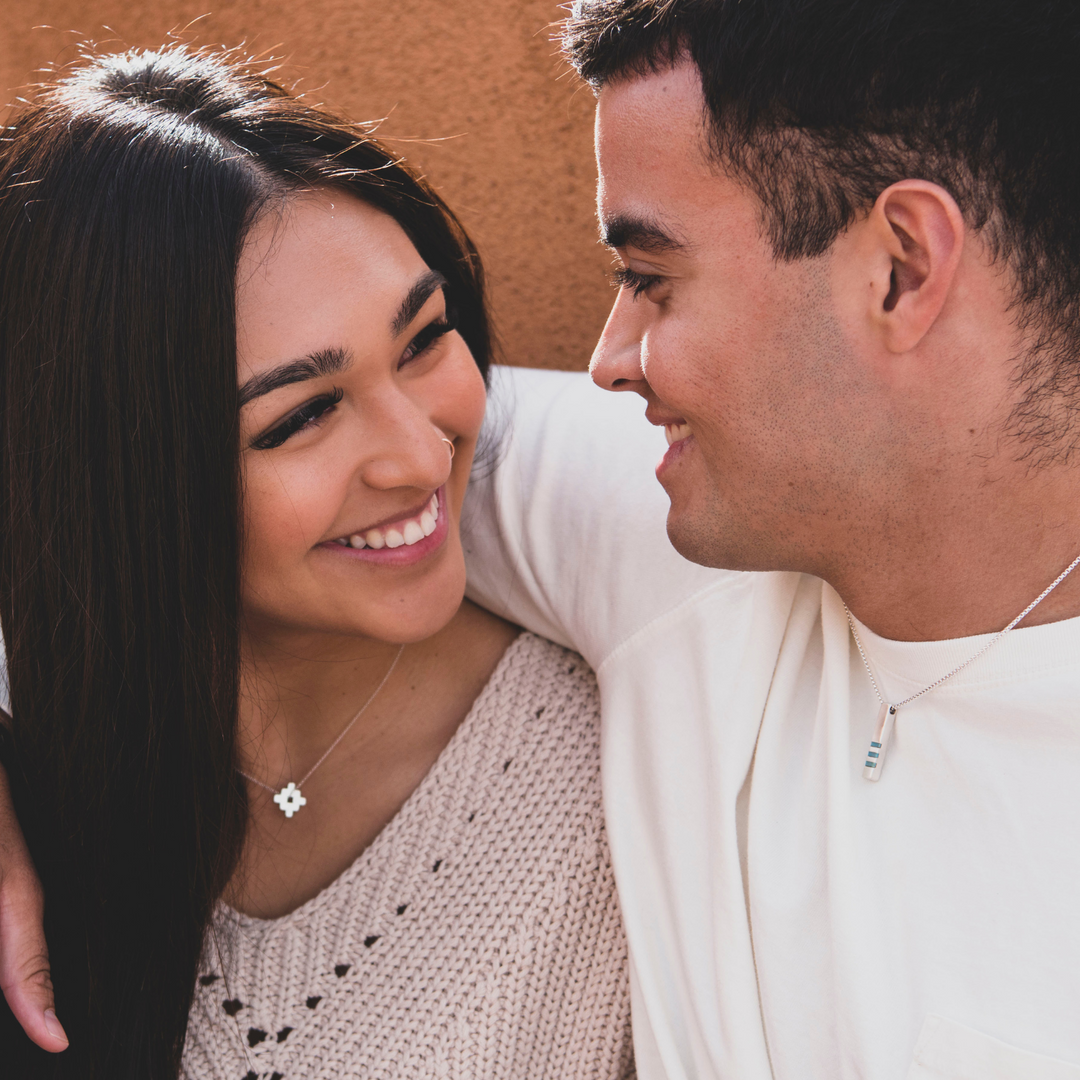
{"x": 316, "y": 408}
{"x": 430, "y": 334}
{"x": 307, "y": 413}
{"x": 625, "y": 278}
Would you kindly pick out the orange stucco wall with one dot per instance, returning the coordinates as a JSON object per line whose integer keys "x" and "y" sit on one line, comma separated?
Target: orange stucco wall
{"x": 475, "y": 89}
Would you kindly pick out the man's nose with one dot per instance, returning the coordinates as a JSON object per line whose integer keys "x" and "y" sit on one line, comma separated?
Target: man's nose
{"x": 616, "y": 360}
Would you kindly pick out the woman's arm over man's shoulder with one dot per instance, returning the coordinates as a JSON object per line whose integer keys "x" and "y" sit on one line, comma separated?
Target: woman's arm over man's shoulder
{"x": 564, "y": 529}
{"x": 25, "y": 978}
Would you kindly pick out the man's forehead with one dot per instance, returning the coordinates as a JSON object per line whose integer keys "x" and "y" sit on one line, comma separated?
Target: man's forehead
{"x": 648, "y": 111}
{"x": 651, "y": 156}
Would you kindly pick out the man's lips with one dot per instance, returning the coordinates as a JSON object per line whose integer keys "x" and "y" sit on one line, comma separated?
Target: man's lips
{"x": 675, "y": 427}
{"x": 677, "y": 431}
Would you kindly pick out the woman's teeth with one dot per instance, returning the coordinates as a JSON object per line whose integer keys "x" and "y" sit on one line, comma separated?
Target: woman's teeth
{"x": 406, "y": 532}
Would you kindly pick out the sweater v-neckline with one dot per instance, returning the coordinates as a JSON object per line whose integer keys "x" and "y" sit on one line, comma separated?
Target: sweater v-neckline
{"x": 253, "y": 924}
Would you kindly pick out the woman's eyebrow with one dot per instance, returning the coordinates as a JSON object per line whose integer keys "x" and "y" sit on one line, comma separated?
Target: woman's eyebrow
{"x": 416, "y": 298}
{"x": 330, "y": 361}
{"x": 324, "y": 362}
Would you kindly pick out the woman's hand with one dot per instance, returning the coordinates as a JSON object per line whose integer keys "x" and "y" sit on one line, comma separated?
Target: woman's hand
{"x": 24, "y": 957}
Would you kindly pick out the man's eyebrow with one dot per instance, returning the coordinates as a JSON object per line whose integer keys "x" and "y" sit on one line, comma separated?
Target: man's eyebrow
{"x": 416, "y": 298}
{"x": 626, "y": 230}
{"x": 324, "y": 362}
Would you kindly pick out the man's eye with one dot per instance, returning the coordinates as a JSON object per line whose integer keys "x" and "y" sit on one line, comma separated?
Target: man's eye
{"x": 625, "y": 278}
{"x": 310, "y": 413}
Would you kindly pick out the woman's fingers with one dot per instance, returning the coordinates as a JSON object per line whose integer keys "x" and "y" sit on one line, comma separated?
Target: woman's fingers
{"x": 24, "y": 958}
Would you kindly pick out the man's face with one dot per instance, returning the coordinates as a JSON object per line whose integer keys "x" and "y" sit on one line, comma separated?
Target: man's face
{"x": 742, "y": 357}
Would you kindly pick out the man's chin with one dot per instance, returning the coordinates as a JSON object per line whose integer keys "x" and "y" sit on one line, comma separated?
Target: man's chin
{"x": 693, "y": 540}
{"x": 709, "y": 539}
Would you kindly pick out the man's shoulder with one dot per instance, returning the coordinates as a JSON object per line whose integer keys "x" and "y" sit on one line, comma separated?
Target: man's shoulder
{"x": 568, "y": 534}
{"x": 525, "y": 401}
{"x": 721, "y": 616}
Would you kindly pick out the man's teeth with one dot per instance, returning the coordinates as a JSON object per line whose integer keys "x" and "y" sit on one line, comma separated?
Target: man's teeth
{"x": 674, "y": 432}
{"x": 401, "y": 533}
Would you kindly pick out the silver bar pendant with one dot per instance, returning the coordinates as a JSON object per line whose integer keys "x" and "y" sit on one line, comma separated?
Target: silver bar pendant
{"x": 875, "y": 756}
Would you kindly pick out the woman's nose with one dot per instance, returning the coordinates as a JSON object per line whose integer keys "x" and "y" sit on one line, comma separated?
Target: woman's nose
{"x": 410, "y": 451}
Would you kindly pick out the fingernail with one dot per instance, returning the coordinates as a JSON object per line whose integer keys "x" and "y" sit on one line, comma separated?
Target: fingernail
{"x": 54, "y": 1026}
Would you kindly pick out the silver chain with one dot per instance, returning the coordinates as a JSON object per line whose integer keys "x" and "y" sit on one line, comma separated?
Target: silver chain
{"x": 971, "y": 659}
{"x": 345, "y": 731}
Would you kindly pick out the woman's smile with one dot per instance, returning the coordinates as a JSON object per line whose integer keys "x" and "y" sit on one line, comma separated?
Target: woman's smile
{"x": 401, "y": 541}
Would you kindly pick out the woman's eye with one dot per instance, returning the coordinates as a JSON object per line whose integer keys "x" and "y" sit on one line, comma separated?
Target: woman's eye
{"x": 625, "y": 278}
{"x": 429, "y": 335}
{"x": 310, "y": 413}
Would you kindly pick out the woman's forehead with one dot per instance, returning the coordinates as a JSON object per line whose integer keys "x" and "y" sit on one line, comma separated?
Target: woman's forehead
{"x": 327, "y": 228}
{"x": 324, "y": 268}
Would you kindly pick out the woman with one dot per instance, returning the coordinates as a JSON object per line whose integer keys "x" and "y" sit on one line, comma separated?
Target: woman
{"x": 298, "y": 810}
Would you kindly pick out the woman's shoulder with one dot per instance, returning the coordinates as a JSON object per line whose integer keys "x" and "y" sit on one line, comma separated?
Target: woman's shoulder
{"x": 534, "y": 667}
{"x": 534, "y": 728}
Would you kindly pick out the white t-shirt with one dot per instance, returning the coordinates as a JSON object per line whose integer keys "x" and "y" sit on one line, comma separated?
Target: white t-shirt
{"x": 786, "y": 917}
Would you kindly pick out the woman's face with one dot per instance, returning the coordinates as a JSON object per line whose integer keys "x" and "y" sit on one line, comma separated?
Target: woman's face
{"x": 350, "y": 377}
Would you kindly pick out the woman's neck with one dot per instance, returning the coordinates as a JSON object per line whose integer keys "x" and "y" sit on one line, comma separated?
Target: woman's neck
{"x": 298, "y": 695}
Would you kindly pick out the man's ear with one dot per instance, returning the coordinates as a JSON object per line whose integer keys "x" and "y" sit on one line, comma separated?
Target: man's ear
{"x": 917, "y": 233}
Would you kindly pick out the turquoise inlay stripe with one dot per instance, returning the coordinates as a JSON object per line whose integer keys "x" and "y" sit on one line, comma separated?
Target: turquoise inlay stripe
{"x": 871, "y": 764}
{"x": 873, "y": 753}
{"x": 876, "y": 744}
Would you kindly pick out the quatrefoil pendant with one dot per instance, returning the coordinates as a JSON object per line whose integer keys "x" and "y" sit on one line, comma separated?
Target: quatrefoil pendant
{"x": 289, "y": 799}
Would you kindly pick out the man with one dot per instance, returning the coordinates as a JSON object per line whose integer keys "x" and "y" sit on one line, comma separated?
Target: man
{"x": 851, "y": 260}
{"x": 851, "y": 263}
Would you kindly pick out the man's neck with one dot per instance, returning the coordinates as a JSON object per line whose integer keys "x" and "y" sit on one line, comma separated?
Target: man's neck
{"x": 970, "y": 565}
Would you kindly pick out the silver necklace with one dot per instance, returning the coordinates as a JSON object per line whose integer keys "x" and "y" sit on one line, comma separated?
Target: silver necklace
{"x": 886, "y": 718}
{"x": 289, "y": 799}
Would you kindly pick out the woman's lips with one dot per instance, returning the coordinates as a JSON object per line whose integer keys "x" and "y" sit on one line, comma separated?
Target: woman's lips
{"x": 401, "y": 542}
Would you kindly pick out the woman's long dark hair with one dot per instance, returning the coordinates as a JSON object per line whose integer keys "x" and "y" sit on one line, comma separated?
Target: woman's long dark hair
{"x": 126, "y": 190}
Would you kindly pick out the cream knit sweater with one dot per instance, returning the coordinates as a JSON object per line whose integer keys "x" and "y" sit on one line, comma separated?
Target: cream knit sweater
{"x": 478, "y": 937}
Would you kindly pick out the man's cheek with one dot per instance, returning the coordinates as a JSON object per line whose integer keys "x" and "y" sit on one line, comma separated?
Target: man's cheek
{"x": 685, "y": 369}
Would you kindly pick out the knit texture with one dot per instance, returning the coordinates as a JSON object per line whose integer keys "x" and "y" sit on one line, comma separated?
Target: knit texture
{"x": 478, "y": 937}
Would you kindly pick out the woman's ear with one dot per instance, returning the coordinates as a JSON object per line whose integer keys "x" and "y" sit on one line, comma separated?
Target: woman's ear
{"x": 916, "y": 233}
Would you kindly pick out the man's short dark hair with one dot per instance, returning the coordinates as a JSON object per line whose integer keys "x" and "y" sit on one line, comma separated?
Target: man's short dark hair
{"x": 819, "y": 105}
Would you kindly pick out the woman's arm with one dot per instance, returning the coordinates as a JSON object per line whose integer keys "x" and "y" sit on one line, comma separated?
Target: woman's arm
{"x": 24, "y": 957}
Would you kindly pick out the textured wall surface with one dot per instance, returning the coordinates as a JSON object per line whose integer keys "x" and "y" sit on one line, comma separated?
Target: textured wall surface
{"x": 474, "y": 88}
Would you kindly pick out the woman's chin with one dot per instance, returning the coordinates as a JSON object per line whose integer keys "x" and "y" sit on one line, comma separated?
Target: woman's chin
{"x": 401, "y": 612}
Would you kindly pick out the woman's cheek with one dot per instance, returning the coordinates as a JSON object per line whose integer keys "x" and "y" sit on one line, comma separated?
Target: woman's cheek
{"x": 459, "y": 398}
{"x": 283, "y": 513}
{"x": 464, "y": 417}
{"x": 476, "y": 397}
